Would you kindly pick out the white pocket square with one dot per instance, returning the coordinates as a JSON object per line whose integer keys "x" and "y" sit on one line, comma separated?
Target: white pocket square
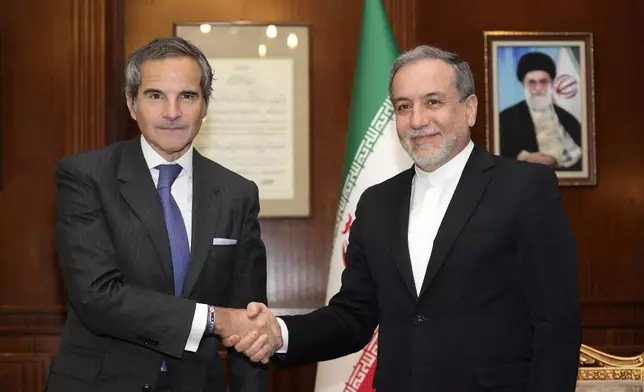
{"x": 223, "y": 241}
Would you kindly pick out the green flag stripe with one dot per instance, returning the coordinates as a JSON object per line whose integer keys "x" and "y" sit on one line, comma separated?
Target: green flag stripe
{"x": 365, "y": 148}
{"x": 377, "y": 51}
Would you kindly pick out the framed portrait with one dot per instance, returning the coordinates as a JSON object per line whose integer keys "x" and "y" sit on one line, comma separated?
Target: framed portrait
{"x": 257, "y": 123}
{"x": 540, "y": 101}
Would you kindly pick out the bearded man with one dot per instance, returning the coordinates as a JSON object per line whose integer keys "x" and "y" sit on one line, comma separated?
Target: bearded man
{"x": 536, "y": 129}
{"x": 466, "y": 261}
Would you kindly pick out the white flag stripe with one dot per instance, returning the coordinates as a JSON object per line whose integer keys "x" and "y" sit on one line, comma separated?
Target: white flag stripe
{"x": 386, "y": 159}
{"x": 567, "y": 83}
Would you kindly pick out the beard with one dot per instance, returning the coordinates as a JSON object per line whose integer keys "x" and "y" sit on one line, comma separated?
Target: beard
{"x": 538, "y": 103}
{"x": 429, "y": 156}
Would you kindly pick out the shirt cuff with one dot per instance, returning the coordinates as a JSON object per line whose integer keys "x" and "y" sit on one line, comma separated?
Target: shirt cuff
{"x": 198, "y": 327}
{"x": 284, "y": 348}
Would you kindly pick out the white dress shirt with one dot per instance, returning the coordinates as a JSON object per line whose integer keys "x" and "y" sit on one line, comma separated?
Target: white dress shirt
{"x": 182, "y": 193}
{"x": 430, "y": 197}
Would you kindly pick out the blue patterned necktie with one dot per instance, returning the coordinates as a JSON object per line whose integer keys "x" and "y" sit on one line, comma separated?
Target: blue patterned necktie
{"x": 177, "y": 234}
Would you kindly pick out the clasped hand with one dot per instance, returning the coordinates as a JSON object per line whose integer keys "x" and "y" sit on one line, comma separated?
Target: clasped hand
{"x": 253, "y": 331}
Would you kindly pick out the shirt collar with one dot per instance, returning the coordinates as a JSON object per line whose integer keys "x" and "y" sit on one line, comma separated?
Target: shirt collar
{"x": 153, "y": 159}
{"x": 452, "y": 168}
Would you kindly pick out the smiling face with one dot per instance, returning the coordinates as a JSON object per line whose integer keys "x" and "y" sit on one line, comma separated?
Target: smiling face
{"x": 433, "y": 125}
{"x": 169, "y": 106}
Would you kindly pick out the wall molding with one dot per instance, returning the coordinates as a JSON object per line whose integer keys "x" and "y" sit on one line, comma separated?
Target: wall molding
{"x": 88, "y": 76}
{"x": 612, "y": 314}
{"x": 24, "y": 372}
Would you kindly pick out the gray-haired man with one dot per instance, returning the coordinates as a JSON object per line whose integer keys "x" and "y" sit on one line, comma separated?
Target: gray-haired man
{"x": 154, "y": 240}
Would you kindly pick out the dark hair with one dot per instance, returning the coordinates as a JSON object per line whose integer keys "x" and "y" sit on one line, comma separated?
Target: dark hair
{"x": 535, "y": 61}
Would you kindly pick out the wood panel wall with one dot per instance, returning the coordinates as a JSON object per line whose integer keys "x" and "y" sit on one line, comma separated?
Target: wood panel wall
{"x": 62, "y": 92}
{"x": 55, "y": 88}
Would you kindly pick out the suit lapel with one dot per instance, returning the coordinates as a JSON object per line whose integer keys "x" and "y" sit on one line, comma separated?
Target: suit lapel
{"x": 469, "y": 190}
{"x": 206, "y": 206}
{"x": 400, "y": 218}
{"x": 137, "y": 187}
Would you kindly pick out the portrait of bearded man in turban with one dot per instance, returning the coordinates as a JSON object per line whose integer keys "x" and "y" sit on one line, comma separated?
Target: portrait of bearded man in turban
{"x": 536, "y": 129}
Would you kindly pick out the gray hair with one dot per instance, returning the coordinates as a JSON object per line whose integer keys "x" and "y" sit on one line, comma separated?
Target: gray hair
{"x": 464, "y": 77}
{"x": 162, "y": 48}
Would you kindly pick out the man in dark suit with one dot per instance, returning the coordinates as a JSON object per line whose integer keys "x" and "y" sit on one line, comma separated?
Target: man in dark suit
{"x": 536, "y": 129}
{"x": 466, "y": 261}
{"x": 154, "y": 240}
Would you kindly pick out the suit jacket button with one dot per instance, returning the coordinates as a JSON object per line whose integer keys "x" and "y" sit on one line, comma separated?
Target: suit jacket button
{"x": 146, "y": 388}
{"x": 418, "y": 319}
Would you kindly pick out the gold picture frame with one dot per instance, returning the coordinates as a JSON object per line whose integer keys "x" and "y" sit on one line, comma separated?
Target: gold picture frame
{"x": 540, "y": 101}
{"x": 257, "y": 122}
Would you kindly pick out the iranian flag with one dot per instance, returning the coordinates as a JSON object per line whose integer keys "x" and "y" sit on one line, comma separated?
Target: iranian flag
{"x": 567, "y": 83}
{"x": 373, "y": 154}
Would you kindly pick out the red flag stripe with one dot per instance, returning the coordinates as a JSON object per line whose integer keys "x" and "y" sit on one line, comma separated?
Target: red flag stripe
{"x": 361, "y": 378}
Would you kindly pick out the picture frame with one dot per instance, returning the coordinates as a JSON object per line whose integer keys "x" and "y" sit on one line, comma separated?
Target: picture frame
{"x": 258, "y": 121}
{"x": 540, "y": 101}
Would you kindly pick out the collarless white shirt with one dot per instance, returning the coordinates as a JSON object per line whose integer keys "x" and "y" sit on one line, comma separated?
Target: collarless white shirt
{"x": 182, "y": 193}
{"x": 430, "y": 197}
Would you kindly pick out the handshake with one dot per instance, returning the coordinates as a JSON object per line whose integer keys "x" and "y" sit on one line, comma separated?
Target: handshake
{"x": 255, "y": 331}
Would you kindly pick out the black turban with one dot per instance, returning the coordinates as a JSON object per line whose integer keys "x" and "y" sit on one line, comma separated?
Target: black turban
{"x": 536, "y": 61}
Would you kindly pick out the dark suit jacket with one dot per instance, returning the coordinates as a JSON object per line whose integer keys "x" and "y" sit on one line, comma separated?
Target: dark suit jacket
{"x": 123, "y": 319}
{"x": 517, "y": 131}
{"x": 498, "y": 309}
